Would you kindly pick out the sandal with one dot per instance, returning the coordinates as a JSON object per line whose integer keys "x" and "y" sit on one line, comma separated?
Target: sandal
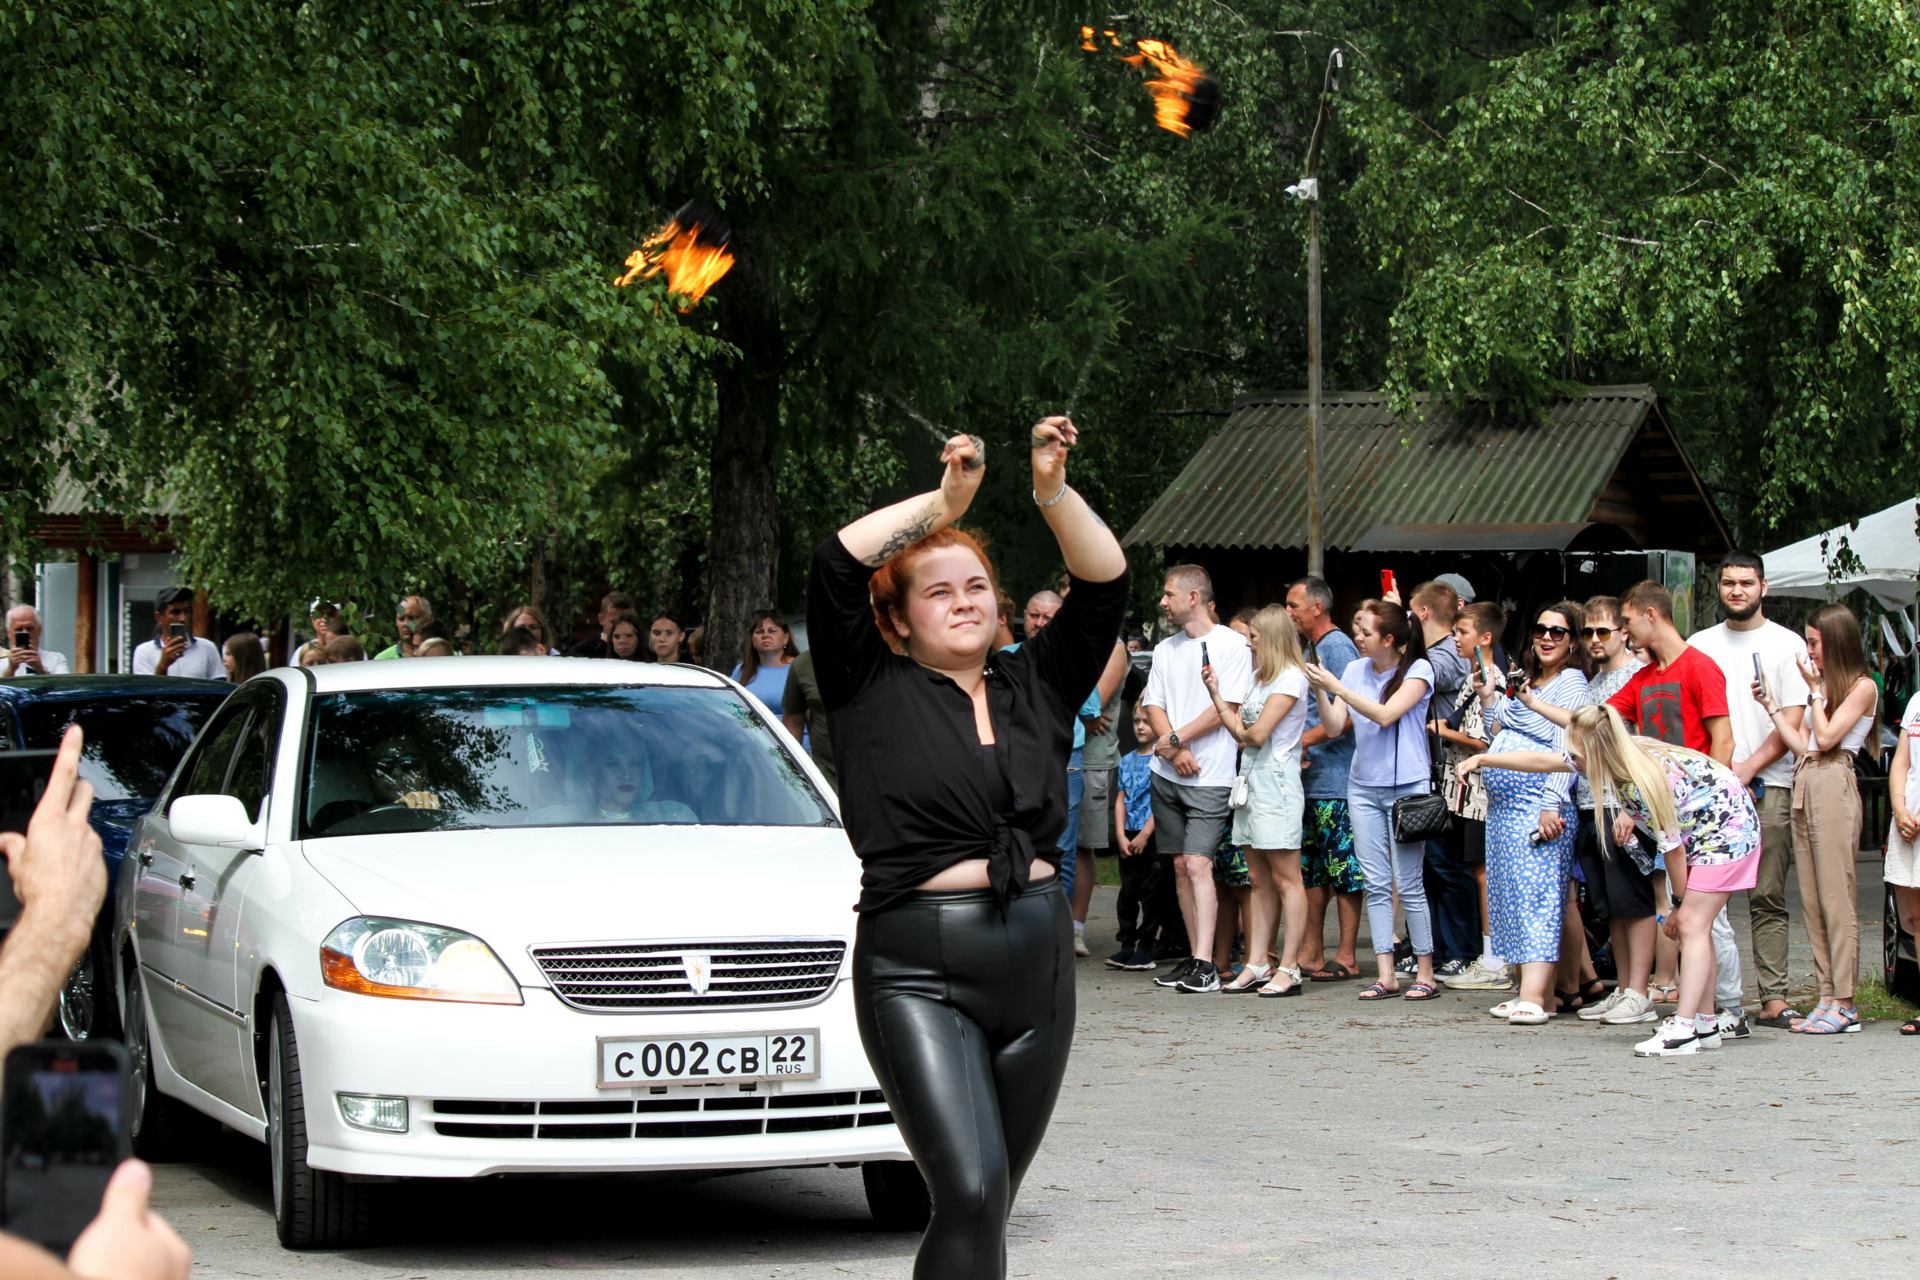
{"x": 1249, "y": 977}
{"x": 1504, "y": 1009}
{"x": 1662, "y": 995}
{"x": 1380, "y": 991}
{"x": 1570, "y": 1001}
{"x": 1831, "y": 1021}
{"x": 1334, "y": 972}
{"x": 1801, "y": 1024}
{"x": 1784, "y": 1020}
{"x": 1911, "y": 1027}
{"x": 1527, "y": 1014}
{"x": 1271, "y": 992}
{"x": 1422, "y": 991}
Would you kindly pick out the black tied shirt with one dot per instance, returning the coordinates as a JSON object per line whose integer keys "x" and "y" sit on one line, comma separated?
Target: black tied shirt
{"x": 913, "y": 793}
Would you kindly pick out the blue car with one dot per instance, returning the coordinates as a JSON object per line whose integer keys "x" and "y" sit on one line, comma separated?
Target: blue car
{"x": 137, "y": 728}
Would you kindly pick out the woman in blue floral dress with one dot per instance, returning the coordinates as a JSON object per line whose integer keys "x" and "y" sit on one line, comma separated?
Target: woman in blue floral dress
{"x": 1531, "y": 818}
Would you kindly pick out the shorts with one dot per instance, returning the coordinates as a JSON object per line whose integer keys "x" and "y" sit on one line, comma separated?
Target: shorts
{"x": 1724, "y": 877}
{"x": 1076, "y": 786}
{"x": 1326, "y": 853}
{"x": 1096, "y": 808}
{"x": 1903, "y": 858}
{"x": 1272, "y": 816}
{"x": 1189, "y": 820}
{"x": 1615, "y": 886}
{"x": 1230, "y": 866}
{"x": 1471, "y": 845}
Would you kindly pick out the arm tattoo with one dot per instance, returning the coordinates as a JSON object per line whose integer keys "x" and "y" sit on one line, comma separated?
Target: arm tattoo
{"x": 908, "y": 534}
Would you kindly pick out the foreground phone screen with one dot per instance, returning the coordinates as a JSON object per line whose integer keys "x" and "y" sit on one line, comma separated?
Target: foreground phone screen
{"x": 62, "y": 1131}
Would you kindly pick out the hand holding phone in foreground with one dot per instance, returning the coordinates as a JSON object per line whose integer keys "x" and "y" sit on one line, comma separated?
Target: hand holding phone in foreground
{"x": 129, "y": 1241}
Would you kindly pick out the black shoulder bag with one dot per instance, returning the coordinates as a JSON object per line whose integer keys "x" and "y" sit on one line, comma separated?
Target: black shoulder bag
{"x": 1417, "y": 819}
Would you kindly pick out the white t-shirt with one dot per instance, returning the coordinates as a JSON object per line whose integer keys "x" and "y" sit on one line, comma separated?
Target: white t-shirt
{"x": 201, "y": 661}
{"x": 1175, "y": 687}
{"x": 1285, "y": 738}
{"x": 1779, "y": 649}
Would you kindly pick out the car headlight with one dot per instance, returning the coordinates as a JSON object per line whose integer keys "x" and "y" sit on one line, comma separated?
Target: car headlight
{"x": 402, "y": 960}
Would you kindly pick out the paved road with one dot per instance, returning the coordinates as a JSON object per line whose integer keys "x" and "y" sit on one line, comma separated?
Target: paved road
{"x": 1308, "y": 1137}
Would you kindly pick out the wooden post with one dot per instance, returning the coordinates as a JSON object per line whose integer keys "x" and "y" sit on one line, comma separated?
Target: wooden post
{"x": 202, "y": 616}
{"x": 86, "y": 612}
{"x": 279, "y": 634}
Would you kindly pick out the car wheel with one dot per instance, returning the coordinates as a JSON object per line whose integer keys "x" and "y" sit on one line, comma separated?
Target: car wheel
{"x": 897, "y": 1195}
{"x": 159, "y": 1125}
{"x": 86, "y": 1005}
{"x": 312, "y": 1208}
{"x": 1900, "y": 974}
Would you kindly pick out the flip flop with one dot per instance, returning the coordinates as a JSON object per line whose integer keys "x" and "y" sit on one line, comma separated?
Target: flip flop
{"x": 1422, "y": 991}
{"x": 1335, "y": 972}
{"x": 1783, "y": 1020}
{"x": 1911, "y": 1027}
{"x": 1378, "y": 991}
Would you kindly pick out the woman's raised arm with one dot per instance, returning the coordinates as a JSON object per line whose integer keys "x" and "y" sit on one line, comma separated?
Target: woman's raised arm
{"x": 878, "y": 536}
{"x": 1091, "y": 551}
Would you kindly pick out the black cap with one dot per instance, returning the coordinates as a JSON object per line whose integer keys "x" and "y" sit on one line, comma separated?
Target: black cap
{"x": 173, "y": 595}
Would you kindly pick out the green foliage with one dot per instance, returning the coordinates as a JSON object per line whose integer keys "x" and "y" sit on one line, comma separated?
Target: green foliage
{"x": 1717, "y": 198}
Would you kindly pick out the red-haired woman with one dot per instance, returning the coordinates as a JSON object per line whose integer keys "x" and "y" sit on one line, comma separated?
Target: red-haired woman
{"x": 952, "y": 762}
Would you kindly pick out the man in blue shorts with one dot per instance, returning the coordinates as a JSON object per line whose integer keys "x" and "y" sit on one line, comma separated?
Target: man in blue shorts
{"x": 1327, "y": 861}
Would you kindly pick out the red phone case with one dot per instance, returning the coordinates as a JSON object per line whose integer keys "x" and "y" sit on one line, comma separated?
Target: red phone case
{"x": 1386, "y": 581}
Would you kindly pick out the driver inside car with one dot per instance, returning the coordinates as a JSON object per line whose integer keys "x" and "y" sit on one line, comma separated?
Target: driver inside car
{"x": 394, "y": 771}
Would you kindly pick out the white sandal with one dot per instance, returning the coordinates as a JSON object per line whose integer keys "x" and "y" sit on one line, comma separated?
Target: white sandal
{"x": 1254, "y": 975}
{"x": 1271, "y": 992}
{"x": 1504, "y": 1009}
{"x": 1527, "y": 1014}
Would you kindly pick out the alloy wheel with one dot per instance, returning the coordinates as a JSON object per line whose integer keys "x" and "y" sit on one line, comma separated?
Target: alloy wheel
{"x": 77, "y": 1000}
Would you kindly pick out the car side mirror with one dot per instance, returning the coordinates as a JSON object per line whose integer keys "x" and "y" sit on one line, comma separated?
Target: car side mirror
{"x": 214, "y": 820}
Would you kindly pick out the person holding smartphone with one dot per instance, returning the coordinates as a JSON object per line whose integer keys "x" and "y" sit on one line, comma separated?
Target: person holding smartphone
{"x": 174, "y": 649}
{"x": 25, "y": 657}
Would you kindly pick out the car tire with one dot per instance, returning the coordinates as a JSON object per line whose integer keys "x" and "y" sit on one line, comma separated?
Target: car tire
{"x": 312, "y": 1208}
{"x": 160, "y": 1126}
{"x": 897, "y": 1195}
{"x": 85, "y": 1009}
{"x": 1900, "y": 974}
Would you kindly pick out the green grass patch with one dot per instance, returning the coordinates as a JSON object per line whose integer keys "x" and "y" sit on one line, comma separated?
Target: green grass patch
{"x": 1109, "y": 866}
{"x": 1878, "y": 1004}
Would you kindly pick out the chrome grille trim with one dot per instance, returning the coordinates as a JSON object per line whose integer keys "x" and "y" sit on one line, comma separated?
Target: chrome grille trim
{"x": 791, "y": 1113}
{"x": 640, "y": 977}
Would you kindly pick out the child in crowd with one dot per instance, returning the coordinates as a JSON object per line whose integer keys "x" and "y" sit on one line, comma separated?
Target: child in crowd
{"x": 1133, "y": 819}
{"x": 1903, "y": 833}
{"x": 1476, "y": 631}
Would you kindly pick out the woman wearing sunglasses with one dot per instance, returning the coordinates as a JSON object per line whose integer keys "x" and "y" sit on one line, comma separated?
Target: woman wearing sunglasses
{"x": 1530, "y": 816}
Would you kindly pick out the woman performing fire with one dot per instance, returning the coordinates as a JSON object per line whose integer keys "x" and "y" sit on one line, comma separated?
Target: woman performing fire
{"x": 953, "y": 785}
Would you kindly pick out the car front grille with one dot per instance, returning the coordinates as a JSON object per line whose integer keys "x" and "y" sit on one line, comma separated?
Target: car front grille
{"x": 634, "y": 977}
{"x": 728, "y": 1116}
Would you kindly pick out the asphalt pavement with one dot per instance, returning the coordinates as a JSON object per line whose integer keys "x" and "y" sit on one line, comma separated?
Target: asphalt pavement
{"x": 1230, "y": 1136}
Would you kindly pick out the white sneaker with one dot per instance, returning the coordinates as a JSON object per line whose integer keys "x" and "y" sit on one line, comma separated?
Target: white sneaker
{"x": 1594, "y": 1012}
{"x": 1672, "y": 1040}
{"x": 1711, "y": 1040}
{"x": 1633, "y": 1006}
{"x": 1478, "y": 977}
{"x": 1080, "y": 944}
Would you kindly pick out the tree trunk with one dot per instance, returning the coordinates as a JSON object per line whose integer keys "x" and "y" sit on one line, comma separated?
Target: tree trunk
{"x": 743, "y": 544}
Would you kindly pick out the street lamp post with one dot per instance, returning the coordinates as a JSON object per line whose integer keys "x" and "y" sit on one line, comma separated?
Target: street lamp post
{"x": 1308, "y": 189}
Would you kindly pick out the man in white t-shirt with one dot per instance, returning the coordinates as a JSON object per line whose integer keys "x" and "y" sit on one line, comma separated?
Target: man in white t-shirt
{"x": 174, "y": 649}
{"x": 1759, "y": 757}
{"x": 1195, "y": 758}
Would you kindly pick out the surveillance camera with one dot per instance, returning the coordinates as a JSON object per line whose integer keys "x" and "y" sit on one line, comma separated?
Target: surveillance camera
{"x": 1305, "y": 189}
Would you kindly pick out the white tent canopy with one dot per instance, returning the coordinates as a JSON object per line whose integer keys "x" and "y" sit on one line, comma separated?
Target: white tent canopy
{"x": 1887, "y": 544}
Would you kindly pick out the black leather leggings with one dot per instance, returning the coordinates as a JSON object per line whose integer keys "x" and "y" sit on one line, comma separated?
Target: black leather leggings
{"x": 967, "y": 1020}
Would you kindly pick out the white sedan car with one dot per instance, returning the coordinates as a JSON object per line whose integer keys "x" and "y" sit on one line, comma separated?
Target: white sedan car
{"x": 459, "y": 917}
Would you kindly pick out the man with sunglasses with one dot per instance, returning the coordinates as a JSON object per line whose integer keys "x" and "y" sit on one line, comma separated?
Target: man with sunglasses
{"x": 1760, "y": 758}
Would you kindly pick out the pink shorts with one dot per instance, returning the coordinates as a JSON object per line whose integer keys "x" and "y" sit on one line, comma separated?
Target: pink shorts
{"x": 1725, "y": 877}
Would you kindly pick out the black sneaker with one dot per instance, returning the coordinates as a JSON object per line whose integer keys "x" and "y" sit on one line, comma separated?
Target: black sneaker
{"x": 1406, "y": 964}
{"x": 1172, "y": 976}
{"x": 1199, "y": 979}
{"x": 1451, "y": 969}
{"x": 1141, "y": 963}
{"x": 1120, "y": 959}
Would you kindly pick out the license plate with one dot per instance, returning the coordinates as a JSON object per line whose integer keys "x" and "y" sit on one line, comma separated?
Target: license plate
{"x": 626, "y": 1061}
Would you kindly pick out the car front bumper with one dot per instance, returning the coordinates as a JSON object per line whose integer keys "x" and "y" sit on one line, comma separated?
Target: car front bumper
{"x": 523, "y": 1066}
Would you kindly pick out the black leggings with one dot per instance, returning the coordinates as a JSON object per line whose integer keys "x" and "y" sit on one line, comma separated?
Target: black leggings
{"x": 967, "y": 1020}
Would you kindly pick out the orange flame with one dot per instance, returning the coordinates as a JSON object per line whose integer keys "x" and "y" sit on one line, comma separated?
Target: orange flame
{"x": 1186, "y": 99}
{"x": 691, "y": 249}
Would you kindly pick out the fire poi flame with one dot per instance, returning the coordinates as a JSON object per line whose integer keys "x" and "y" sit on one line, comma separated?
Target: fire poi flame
{"x": 1185, "y": 100}
{"x": 691, "y": 249}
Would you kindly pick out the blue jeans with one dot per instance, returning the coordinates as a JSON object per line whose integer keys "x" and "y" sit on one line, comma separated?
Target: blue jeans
{"x": 1389, "y": 865}
{"x": 1454, "y": 900}
{"x": 1070, "y": 838}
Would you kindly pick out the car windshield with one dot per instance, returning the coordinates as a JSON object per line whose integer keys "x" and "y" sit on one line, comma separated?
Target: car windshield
{"x": 566, "y": 755}
{"x": 133, "y": 743}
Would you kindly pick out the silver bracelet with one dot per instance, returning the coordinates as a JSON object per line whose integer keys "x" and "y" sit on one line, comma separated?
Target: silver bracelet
{"x": 1050, "y": 501}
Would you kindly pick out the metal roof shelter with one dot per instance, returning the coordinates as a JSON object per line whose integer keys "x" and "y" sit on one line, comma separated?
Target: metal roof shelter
{"x": 1603, "y": 472}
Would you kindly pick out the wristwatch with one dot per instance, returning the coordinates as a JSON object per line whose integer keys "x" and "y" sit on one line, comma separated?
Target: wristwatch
{"x": 1173, "y": 740}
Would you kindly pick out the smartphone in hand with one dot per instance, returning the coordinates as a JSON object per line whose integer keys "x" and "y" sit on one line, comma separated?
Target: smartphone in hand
{"x": 1205, "y": 661}
{"x": 63, "y": 1130}
{"x": 1386, "y": 582}
{"x": 23, "y": 639}
{"x": 1760, "y": 676}
{"x": 176, "y": 631}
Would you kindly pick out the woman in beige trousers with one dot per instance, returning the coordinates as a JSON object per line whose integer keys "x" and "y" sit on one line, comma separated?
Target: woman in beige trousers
{"x": 1841, "y": 713}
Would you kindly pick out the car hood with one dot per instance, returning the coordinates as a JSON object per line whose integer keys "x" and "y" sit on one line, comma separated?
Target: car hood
{"x": 526, "y": 886}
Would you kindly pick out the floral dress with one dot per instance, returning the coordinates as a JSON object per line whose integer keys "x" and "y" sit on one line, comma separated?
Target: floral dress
{"x": 1527, "y": 881}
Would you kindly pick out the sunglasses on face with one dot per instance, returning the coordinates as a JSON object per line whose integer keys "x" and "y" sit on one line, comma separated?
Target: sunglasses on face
{"x": 1558, "y": 633}
{"x": 1602, "y": 634}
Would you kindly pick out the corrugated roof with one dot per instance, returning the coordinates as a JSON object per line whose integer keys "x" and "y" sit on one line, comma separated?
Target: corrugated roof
{"x": 71, "y": 498}
{"x": 1247, "y": 486}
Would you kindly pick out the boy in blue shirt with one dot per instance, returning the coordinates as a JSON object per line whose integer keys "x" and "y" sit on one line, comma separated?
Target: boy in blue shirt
{"x": 1133, "y": 819}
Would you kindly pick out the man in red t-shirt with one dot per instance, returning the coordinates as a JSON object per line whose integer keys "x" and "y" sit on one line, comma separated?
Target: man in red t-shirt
{"x": 1680, "y": 695}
